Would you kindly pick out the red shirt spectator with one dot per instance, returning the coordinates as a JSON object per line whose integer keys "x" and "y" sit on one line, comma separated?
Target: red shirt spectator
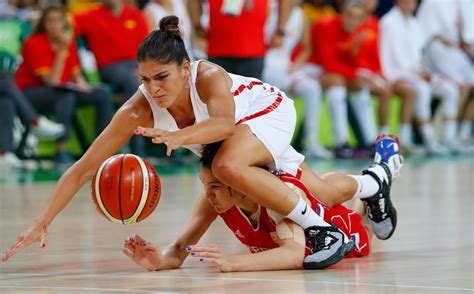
{"x": 112, "y": 38}
{"x": 39, "y": 57}
{"x": 333, "y": 47}
{"x": 369, "y": 50}
{"x": 237, "y": 36}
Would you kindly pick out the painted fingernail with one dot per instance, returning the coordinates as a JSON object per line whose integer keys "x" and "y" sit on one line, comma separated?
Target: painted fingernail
{"x": 144, "y": 243}
{"x": 201, "y": 259}
{"x": 188, "y": 248}
{"x": 43, "y": 245}
{"x": 193, "y": 253}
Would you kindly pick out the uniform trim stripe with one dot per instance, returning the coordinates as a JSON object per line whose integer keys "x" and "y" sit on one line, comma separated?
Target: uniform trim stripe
{"x": 242, "y": 87}
{"x": 267, "y": 110}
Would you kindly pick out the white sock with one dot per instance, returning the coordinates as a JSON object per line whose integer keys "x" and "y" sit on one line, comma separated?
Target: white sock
{"x": 367, "y": 186}
{"x": 465, "y": 130}
{"x": 449, "y": 130}
{"x": 338, "y": 110}
{"x": 427, "y": 133}
{"x": 310, "y": 90}
{"x": 404, "y": 133}
{"x": 363, "y": 110}
{"x": 308, "y": 218}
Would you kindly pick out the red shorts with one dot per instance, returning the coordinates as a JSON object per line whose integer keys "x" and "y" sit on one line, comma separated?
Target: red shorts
{"x": 350, "y": 222}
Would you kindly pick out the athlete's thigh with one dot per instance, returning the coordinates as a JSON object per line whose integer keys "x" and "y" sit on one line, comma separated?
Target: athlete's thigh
{"x": 244, "y": 148}
{"x": 317, "y": 186}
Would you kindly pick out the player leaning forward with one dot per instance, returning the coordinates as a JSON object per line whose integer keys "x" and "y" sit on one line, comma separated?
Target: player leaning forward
{"x": 188, "y": 104}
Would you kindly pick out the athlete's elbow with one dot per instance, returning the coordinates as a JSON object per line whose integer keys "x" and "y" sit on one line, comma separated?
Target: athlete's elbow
{"x": 227, "y": 127}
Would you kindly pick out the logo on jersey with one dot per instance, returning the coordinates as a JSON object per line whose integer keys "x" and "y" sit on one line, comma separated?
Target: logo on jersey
{"x": 239, "y": 234}
{"x": 305, "y": 208}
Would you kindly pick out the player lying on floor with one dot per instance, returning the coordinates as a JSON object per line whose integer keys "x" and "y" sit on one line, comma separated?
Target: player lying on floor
{"x": 275, "y": 242}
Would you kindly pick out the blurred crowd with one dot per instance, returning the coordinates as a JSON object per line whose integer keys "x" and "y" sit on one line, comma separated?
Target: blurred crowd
{"x": 351, "y": 56}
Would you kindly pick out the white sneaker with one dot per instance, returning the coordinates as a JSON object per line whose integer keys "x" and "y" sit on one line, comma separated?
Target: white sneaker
{"x": 319, "y": 151}
{"x": 10, "y": 161}
{"x": 47, "y": 129}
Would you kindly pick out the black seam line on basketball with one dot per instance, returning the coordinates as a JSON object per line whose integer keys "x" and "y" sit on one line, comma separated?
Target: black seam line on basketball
{"x": 120, "y": 188}
{"x": 100, "y": 186}
{"x": 141, "y": 190}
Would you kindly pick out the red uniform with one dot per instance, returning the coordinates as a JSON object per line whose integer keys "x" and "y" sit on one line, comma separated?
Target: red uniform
{"x": 112, "y": 38}
{"x": 263, "y": 236}
{"x": 39, "y": 57}
{"x": 369, "y": 50}
{"x": 240, "y": 36}
{"x": 333, "y": 47}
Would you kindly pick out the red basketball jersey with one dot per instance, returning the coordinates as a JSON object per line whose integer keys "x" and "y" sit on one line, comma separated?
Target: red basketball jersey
{"x": 263, "y": 236}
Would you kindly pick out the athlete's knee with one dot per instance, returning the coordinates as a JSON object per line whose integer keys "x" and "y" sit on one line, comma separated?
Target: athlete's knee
{"x": 226, "y": 170}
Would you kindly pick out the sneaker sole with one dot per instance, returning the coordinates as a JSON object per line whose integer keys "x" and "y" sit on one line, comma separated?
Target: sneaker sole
{"x": 338, "y": 256}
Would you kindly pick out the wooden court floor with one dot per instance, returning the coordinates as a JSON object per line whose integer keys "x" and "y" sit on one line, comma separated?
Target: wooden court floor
{"x": 432, "y": 250}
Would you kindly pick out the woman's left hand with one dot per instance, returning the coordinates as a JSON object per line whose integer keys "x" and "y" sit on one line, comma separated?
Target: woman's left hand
{"x": 172, "y": 140}
{"x": 210, "y": 253}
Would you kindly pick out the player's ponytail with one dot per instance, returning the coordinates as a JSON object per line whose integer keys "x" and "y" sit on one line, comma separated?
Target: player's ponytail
{"x": 164, "y": 45}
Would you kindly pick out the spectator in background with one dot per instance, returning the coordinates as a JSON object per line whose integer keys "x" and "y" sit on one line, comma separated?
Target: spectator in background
{"x": 155, "y": 10}
{"x": 402, "y": 42}
{"x": 443, "y": 21}
{"x": 315, "y": 10}
{"x": 113, "y": 32}
{"x": 335, "y": 49}
{"x": 369, "y": 36}
{"x": 280, "y": 71}
{"x": 50, "y": 76}
{"x": 236, "y": 39}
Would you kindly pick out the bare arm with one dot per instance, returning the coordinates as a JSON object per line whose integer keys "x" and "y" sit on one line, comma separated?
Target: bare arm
{"x": 117, "y": 133}
{"x": 289, "y": 254}
{"x": 151, "y": 257}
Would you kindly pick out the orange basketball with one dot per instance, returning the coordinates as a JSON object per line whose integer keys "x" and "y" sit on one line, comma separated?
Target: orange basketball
{"x": 126, "y": 189}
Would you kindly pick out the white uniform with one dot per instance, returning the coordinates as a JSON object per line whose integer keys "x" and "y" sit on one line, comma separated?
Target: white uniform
{"x": 268, "y": 112}
{"x": 402, "y": 41}
{"x": 444, "y": 18}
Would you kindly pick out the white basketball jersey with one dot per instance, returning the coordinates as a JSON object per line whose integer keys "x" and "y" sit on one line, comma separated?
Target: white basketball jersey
{"x": 252, "y": 98}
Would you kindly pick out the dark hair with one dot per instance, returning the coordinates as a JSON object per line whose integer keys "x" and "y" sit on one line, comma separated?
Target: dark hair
{"x": 164, "y": 45}
{"x": 40, "y": 27}
{"x": 209, "y": 152}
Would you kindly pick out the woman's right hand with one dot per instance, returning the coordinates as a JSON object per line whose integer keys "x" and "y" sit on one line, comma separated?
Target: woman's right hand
{"x": 37, "y": 232}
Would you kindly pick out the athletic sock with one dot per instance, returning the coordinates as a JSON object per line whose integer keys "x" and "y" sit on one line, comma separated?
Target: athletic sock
{"x": 305, "y": 216}
{"x": 367, "y": 186}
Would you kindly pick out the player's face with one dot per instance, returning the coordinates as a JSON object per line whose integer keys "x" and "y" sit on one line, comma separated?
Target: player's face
{"x": 217, "y": 193}
{"x": 407, "y": 6}
{"x": 164, "y": 82}
{"x": 54, "y": 23}
{"x": 370, "y": 5}
{"x": 352, "y": 17}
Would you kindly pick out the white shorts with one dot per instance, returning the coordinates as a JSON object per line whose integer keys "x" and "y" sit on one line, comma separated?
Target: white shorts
{"x": 275, "y": 130}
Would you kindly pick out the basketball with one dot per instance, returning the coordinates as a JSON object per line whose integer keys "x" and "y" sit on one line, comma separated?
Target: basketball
{"x": 126, "y": 189}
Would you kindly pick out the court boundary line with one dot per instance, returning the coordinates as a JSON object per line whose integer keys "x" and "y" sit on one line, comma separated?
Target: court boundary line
{"x": 112, "y": 276}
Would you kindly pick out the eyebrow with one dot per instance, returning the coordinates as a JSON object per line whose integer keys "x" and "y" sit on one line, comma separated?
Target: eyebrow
{"x": 157, "y": 74}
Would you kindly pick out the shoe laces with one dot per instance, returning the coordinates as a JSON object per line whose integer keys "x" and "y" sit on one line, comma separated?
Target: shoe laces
{"x": 318, "y": 239}
{"x": 375, "y": 209}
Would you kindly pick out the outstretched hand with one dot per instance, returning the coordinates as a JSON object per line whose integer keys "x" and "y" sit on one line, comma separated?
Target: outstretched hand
{"x": 172, "y": 140}
{"x": 35, "y": 233}
{"x": 142, "y": 253}
{"x": 211, "y": 254}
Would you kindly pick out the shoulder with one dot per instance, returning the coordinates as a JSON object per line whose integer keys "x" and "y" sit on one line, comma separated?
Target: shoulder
{"x": 136, "y": 109}
{"x": 36, "y": 41}
{"x": 211, "y": 77}
{"x": 132, "y": 11}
